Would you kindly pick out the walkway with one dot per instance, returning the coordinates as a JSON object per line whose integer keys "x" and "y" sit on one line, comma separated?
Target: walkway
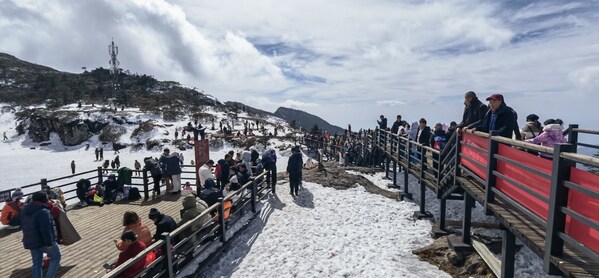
{"x": 98, "y": 226}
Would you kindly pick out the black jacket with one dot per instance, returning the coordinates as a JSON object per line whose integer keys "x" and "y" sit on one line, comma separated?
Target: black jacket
{"x": 224, "y": 171}
{"x": 294, "y": 166}
{"x": 425, "y": 136}
{"x": 505, "y": 124}
{"x": 474, "y": 113}
{"x": 211, "y": 195}
{"x": 383, "y": 123}
{"x": 164, "y": 224}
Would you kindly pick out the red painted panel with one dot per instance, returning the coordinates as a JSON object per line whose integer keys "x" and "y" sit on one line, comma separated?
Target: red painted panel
{"x": 586, "y": 206}
{"x": 475, "y": 154}
{"x": 532, "y": 181}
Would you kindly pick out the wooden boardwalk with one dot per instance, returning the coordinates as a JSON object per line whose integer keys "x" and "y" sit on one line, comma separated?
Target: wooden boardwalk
{"x": 98, "y": 226}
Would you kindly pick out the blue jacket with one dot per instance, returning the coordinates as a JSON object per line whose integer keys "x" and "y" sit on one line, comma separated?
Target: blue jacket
{"x": 38, "y": 226}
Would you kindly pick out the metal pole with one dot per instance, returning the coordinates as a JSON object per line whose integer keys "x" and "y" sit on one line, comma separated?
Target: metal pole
{"x": 221, "y": 219}
{"x": 169, "y": 254}
{"x": 466, "y": 223}
{"x": 508, "y": 254}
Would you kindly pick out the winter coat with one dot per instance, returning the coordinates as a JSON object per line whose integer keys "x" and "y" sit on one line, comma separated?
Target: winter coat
{"x": 132, "y": 250}
{"x": 383, "y": 124}
{"x": 474, "y": 113}
{"x": 530, "y": 130}
{"x": 224, "y": 171}
{"x": 425, "y": 136}
{"x": 83, "y": 186}
{"x": 505, "y": 124}
{"x": 552, "y": 134}
{"x": 10, "y": 210}
{"x": 396, "y": 125}
{"x": 38, "y": 226}
{"x": 210, "y": 195}
{"x": 267, "y": 160}
{"x": 164, "y": 224}
{"x": 205, "y": 173}
{"x": 246, "y": 157}
{"x": 242, "y": 178}
{"x": 254, "y": 155}
{"x": 137, "y": 165}
{"x": 193, "y": 207}
{"x": 294, "y": 166}
{"x": 153, "y": 166}
{"x": 170, "y": 165}
{"x": 438, "y": 133}
{"x": 124, "y": 175}
{"x": 142, "y": 231}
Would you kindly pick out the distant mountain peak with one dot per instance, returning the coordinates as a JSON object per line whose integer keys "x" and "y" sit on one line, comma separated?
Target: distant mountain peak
{"x": 306, "y": 120}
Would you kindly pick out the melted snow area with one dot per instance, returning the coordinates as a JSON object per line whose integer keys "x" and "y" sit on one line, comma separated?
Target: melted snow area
{"x": 326, "y": 232}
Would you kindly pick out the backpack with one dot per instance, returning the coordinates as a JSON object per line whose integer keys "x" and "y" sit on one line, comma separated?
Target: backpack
{"x": 134, "y": 194}
{"x": 439, "y": 142}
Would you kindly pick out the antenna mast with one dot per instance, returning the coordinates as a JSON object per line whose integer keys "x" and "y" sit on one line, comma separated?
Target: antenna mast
{"x": 113, "y": 51}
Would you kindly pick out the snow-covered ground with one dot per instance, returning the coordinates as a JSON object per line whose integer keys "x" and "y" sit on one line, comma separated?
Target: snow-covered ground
{"x": 329, "y": 233}
{"x": 528, "y": 264}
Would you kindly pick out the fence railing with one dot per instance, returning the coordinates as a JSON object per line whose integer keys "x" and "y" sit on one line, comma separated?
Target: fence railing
{"x": 179, "y": 247}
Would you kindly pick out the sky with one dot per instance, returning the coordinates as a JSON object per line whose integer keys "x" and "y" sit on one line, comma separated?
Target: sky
{"x": 345, "y": 61}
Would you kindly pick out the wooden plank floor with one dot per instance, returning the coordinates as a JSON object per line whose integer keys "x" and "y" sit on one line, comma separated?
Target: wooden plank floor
{"x": 573, "y": 263}
{"x": 98, "y": 226}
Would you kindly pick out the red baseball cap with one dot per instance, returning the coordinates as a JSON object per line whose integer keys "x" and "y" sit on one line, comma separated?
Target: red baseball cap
{"x": 495, "y": 97}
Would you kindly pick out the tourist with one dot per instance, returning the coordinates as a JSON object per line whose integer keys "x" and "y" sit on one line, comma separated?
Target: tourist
{"x": 132, "y": 222}
{"x": 73, "y": 167}
{"x": 86, "y": 193}
{"x": 294, "y": 169}
{"x": 205, "y": 172}
{"x": 210, "y": 193}
{"x": 424, "y": 133}
{"x": 474, "y": 111}
{"x": 132, "y": 247}
{"x": 153, "y": 166}
{"x": 137, "y": 167}
{"x": 500, "y": 118}
{"x": 164, "y": 223}
{"x": 111, "y": 189}
{"x": 39, "y": 235}
{"x": 171, "y": 171}
{"x": 382, "y": 122}
{"x": 532, "y": 128}
{"x": 11, "y": 212}
{"x": 552, "y": 134}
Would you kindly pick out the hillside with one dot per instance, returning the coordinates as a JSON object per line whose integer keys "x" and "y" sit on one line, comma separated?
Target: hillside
{"x": 306, "y": 120}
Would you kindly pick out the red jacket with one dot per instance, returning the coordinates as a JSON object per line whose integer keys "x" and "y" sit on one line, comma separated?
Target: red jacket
{"x": 132, "y": 251}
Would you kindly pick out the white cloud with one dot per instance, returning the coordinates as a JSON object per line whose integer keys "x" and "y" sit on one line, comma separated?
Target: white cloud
{"x": 347, "y": 61}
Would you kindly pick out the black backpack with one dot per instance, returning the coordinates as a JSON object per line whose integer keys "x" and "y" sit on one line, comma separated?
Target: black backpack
{"x": 134, "y": 194}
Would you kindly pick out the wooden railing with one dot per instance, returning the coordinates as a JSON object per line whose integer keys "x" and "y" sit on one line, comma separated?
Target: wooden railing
{"x": 179, "y": 247}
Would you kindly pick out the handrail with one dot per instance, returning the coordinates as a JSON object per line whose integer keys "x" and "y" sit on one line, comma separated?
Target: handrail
{"x": 580, "y": 158}
{"x": 587, "y": 131}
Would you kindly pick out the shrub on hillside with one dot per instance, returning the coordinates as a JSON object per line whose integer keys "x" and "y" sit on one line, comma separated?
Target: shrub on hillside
{"x": 112, "y": 133}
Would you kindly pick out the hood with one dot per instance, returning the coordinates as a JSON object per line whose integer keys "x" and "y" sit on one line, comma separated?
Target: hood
{"x": 553, "y": 128}
{"x": 246, "y": 155}
{"x": 201, "y": 204}
{"x": 33, "y": 208}
{"x": 189, "y": 202}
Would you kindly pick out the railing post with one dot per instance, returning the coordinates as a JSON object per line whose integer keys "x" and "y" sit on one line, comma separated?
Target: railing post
{"x": 508, "y": 254}
{"x": 558, "y": 198}
{"x": 43, "y": 183}
{"x": 491, "y": 166}
{"x": 253, "y": 196}
{"x": 268, "y": 173}
{"x": 422, "y": 213}
{"x": 466, "y": 223}
{"x": 406, "y": 173}
{"x": 168, "y": 253}
{"x": 458, "y": 149}
{"x": 573, "y": 135}
{"x": 144, "y": 174}
{"x": 394, "y": 173}
{"x": 100, "y": 175}
{"x": 273, "y": 186}
{"x": 221, "y": 219}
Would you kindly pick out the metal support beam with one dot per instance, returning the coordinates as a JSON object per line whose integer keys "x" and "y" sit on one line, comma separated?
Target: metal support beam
{"x": 508, "y": 254}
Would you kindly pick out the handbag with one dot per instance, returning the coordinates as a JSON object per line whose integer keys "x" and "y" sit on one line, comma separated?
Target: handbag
{"x": 98, "y": 199}
{"x": 67, "y": 230}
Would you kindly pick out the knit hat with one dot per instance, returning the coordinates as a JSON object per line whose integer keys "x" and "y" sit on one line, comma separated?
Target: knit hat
{"x": 17, "y": 194}
{"x": 154, "y": 213}
{"x": 39, "y": 196}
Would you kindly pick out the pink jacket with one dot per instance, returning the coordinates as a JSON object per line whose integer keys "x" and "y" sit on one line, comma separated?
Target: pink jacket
{"x": 552, "y": 134}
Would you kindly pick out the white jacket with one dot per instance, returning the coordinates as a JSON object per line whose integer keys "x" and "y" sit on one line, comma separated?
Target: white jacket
{"x": 205, "y": 173}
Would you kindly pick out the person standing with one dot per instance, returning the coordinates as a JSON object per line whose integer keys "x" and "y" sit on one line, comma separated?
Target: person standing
{"x": 5, "y": 138}
{"x": 205, "y": 172}
{"x": 153, "y": 166}
{"x": 294, "y": 168}
{"x": 500, "y": 118}
{"x": 117, "y": 162}
{"x": 73, "y": 167}
{"x": 382, "y": 123}
{"x": 474, "y": 111}
{"x": 176, "y": 134}
{"x": 137, "y": 166}
{"x": 101, "y": 153}
{"x": 97, "y": 152}
{"x": 39, "y": 235}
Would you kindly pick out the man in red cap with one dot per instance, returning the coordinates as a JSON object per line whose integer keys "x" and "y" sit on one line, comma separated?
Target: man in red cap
{"x": 500, "y": 118}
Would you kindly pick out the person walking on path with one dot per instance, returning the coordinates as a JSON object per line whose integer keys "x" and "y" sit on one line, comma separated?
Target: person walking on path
{"x": 294, "y": 169}
{"x": 117, "y": 162}
{"x": 5, "y": 138}
{"x": 73, "y": 167}
{"x": 39, "y": 235}
{"x": 137, "y": 166}
{"x": 97, "y": 152}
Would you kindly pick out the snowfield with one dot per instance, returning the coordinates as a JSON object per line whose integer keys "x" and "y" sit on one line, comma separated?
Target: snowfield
{"x": 326, "y": 232}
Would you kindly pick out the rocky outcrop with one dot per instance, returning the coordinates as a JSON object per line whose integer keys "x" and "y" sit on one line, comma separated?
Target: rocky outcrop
{"x": 71, "y": 129}
{"x": 112, "y": 133}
